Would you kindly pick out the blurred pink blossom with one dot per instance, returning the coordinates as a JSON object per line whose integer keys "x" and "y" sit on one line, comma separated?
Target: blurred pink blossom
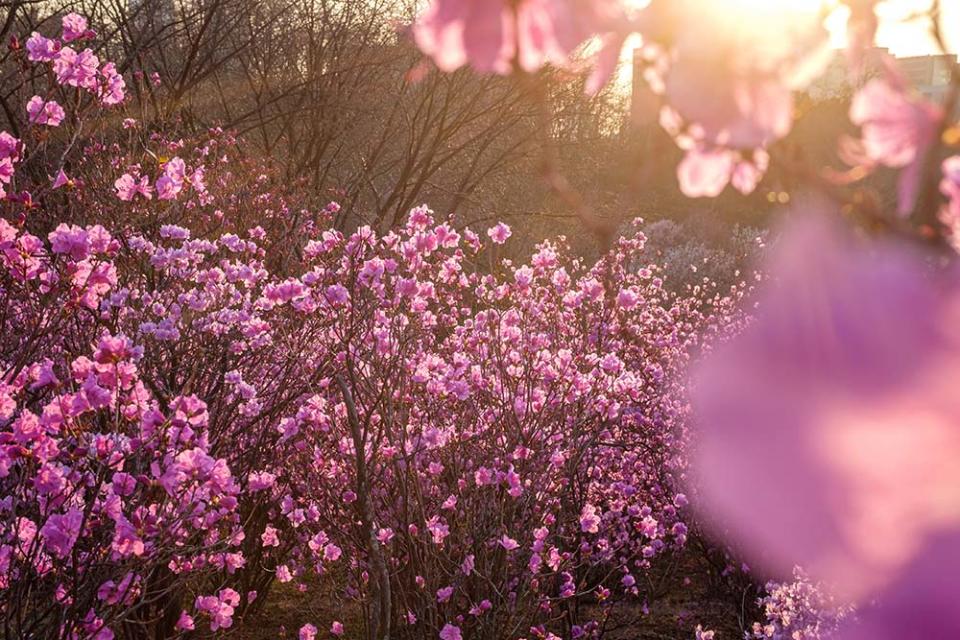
{"x": 828, "y": 428}
{"x": 897, "y": 128}
{"x": 491, "y": 34}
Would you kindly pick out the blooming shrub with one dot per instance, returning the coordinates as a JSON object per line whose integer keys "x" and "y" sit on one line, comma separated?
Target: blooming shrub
{"x": 798, "y": 610}
{"x": 206, "y": 390}
{"x": 497, "y": 471}
{"x": 831, "y": 417}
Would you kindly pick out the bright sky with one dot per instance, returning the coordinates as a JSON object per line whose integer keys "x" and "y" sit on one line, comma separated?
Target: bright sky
{"x": 904, "y": 28}
{"x": 906, "y": 37}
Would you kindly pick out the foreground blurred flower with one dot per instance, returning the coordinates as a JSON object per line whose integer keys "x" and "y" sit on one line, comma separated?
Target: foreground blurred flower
{"x": 830, "y": 428}
{"x": 898, "y": 127}
{"x": 922, "y": 604}
{"x": 491, "y": 34}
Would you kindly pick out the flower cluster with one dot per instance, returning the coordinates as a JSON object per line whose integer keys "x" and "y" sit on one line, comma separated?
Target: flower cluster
{"x": 72, "y": 68}
{"x": 798, "y": 610}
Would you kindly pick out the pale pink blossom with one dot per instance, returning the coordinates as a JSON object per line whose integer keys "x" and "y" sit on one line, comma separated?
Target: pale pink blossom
{"x": 705, "y": 173}
{"x": 499, "y": 233}
{"x": 127, "y": 187}
{"x": 41, "y": 49}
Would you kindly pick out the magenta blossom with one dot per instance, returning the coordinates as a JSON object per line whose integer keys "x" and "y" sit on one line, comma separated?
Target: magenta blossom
{"x": 128, "y": 187}
{"x": 41, "y": 49}
{"x": 76, "y": 69}
{"x": 74, "y": 27}
{"x": 47, "y": 112}
{"x": 61, "y": 531}
{"x": 499, "y": 233}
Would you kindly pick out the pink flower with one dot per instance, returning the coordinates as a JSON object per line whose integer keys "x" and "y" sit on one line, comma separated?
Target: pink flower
{"x": 9, "y": 146}
{"x": 331, "y": 552}
{"x": 112, "y": 87}
{"x": 127, "y": 187}
{"x": 167, "y": 189}
{"x": 893, "y": 123}
{"x": 61, "y": 531}
{"x": 70, "y": 239}
{"x": 74, "y": 27}
{"x": 269, "y": 537}
{"x": 450, "y": 632}
{"x": 950, "y": 188}
{"x": 897, "y": 127}
{"x": 76, "y": 69}
{"x": 508, "y": 543}
{"x": 60, "y": 180}
{"x": 49, "y": 113}
{"x": 41, "y": 49}
{"x": 491, "y": 34}
{"x": 499, "y": 233}
{"x": 220, "y": 608}
{"x": 307, "y": 632}
{"x": 258, "y": 481}
{"x": 703, "y": 634}
{"x": 705, "y": 173}
{"x": 589, "y": 520}
{"x": 443, "y": 595}
{"x": 812, "y": 472}
{"x": 438, "y": 529}
{"x": 336, "y": 628}
{"x": 185, "y": 622}
{"x": 170, "y": 183}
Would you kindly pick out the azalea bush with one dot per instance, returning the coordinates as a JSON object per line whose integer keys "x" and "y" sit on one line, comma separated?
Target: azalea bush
{"x": 209, "y": 389}
{"x": 826, "y": 435}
